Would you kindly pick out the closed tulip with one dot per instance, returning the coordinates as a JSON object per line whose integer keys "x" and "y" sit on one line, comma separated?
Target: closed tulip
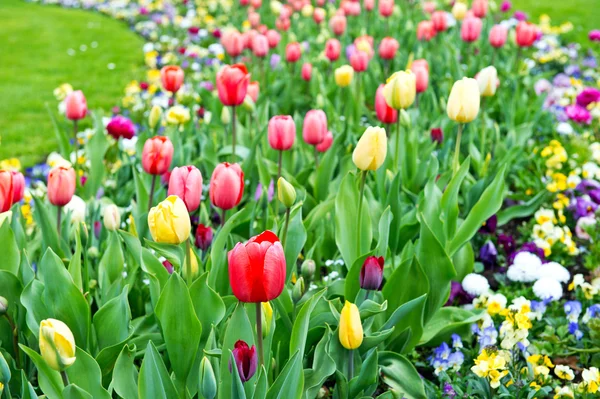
{"x": 337, "y": 23}
{"x": 421, "y": 77}
{"x": 314, "y": 127}
{"x": 471, "y": 29}
{"x": 293, "y": 51}
{"x": 324, "y": 145}
{"x": 171, "y": 77}
{"x": 232, "y": 84}
{"x": 232, "y": 42}
{"x": 350, "y": 328}
{"x": 318, "y": 15}
{"x": 169, "y": 221}
{"x": 18, "y": 183}
{"x": 273, "y": 37}
{"x": 371, "y": 149}
{"x": 260, "y": 45}
{"x": 306, "y": 71}
{"x": 186, "y": 183}
{"x": 61, "y": 185}
{"x": 246, "y": 360}
{"x": 226, "y": 186}
{"x": 281, "y": 132}
{"x": 425, "y": 31}
{"x": 154, "y": 116}
{"x": 388, "y": 48}
{"x": 384, "y": 112}
{"x": 257, "y": 268}
{"x": 526, "y": 34}
{"x": 157, "y": 155}
{"x": 286, "y": 193}
{"x": 7, "y": 192}
{"x": 359, "y": 61}
{"x": 420, "y": 63}
{"x": 487, "y": 79}
{"x": 75, "y": 105}
{"x": 204, "y": 237}
{"x": 480, "y": 8}
{"x": 111, "y": 217}
{"x": 57, "y": 344}
{"x": 120, "y": 126}
{"x": 439, "y": 21}
{"x": 498, "y": 35}
{"x": 333, "y": 49}
{"x": 400, "y": 90}
{"x": 253, "y": 91}
{"x": 459, "y": 10}
{"x": 344, "y": 75}
{"x": 371, "y": 273}
{"x": 463, "y": 103}
{"x": 207, "y": 380}
{"x": 386, "y": 8}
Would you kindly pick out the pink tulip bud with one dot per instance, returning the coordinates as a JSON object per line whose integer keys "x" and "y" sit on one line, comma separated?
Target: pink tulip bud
{"x": 226, "y": 185}
{"x": 369, "y": 5}
{"x": 256, "y": 4}
{"x": 293, "y": 51}
{"x": 232, "y": 84}
{"x": 186, "y": 183}
{"x": 388, "y": 48}
{"x": 171, "y": 77}
{"x": 119, "y": 126}
{"x": 315, "y": 127}
{"x": 385, "y": 113}
{"x": 254, "y": 19}
{"x": 429, "y": 7}
{"x": 326, "y": 143}
{"x": 260, "y": 45}
{"x": 281, "y": 132}
{"x": 470, "y": 29}
{"x": 76, "y": 106}
{"x": 253, "y": 90}
{"x": 157, "y": 155}
{"x": 337, "y": 23}
{"x": 273, "y": 37}
{"x": 498, "y": 35}
{"x": 425, "y": 30}
{"x": 307, "y": 71}
{"x": 18, "y": 181}
{"x": 480, "y": 8}
{"x": 61, "y": 185}
{"x": 420, "y": 63}
{"x": 318, "y": 15}
{"x": 386, "y": 8}
{"x": 422, "y": 77}
{"x": 440, "y": 21}
{"x": 333, "y": 49}
{"x": 232, "y": 42}
{"x": 359, "y": 61}
{"x": 283, "y": 24}
{"x": 7, "y": 191}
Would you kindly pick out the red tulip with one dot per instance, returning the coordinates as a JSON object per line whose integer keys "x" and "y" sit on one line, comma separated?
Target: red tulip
{"x": 232, "y": 84}
{"x": 253, "y": 90}
{"x": 157, "y": 155}
{"x": 307, "y": 71}
{"x": 470, "y": 29}
{"x": 257, "y": 268}
{"x": 7, "y": 191}
{"x": 420, "y": 63}
{"x": 498, "y": 35}
{"x": 422, "y": 77}
{"x": 61, "y": 185}
{"x": 479, "y": 8}
{"x": 359, "y": 61}
{"x": 76, "y": 105}
{"x": 18, "y": 182}
{"x": 281, "y": 132}
{"x": 226, "y": 185}
{"x": 337, "y": 23}
{"x": 324, "y": 145}
{"x": 254, "y": 19}
{"x": 386, "y": 8}
{"x": 273, "y": 37}
{"x": 171, "y": 77}
{"x": 332, "y": 49}
{"x": 439, "y": 21}
{"x": 260, "y": 45}
{"x": 371, "y": 273}
{"x": 437, "y": 135}
{"x": 388, "y": 48}
{"x": 246, "y": 360}
{"x": 315, "y": 127}
{"x": 186, "y": 183}
{"x": 425, "y": 30}
{"x": 204, "y": 237}
{"x": 283, "y": 24}
{"x": 293, "y": 51}
{"x": 256, "y": 4}
{"x": 119, "y": 126}
{"x": 526, "y": 34}
{"x": 385, "y": 113}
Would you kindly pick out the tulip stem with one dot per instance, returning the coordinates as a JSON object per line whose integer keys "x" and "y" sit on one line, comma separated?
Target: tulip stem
{"x": 259, "y": 337}
{"x": 456, "y": 161}
{"x": 350, "y": 364}
{"x": 483, "y": 132}
{"x": 151, "y": 196}
{"x": 398, "y": 130}
{"x": 76, "y": 147}
{"x": 15, "y": 336}
{"x": 233, "y": 134}
{"x": 58, "y": 219}
{"x": 279, "y": 164}
{"x": 65, "y": 378}
{"x": 316, "y": 157}
{"x": 363, "y": 179}
{"x": 367, "y": 294}
{"x": 285, "y": 227}
{"x": 188, "y": 262}
{"x": 223, "y": 211}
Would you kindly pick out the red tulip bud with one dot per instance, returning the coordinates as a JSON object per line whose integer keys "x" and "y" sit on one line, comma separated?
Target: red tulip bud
{"x": 371, "y": 273}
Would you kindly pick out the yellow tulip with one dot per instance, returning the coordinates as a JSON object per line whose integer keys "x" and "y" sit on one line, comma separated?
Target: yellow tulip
{"x": 193, "y": 265}
{"x": 459, "y": 11}
{"x": 178, "y": 115}
{"x": 351, "y": 331}
{"x": 344, "y": 75}
{"x": 169, "y": 221}
{"x": 487, "y": 79}
{"x": 371, "y": 149}
{"x": 154, "y": 117}
{"x": 400, "y": 90}
{"x": 463, "y": 103}
{"x": 267, "y": 318}
{"x": 57, "y": 344}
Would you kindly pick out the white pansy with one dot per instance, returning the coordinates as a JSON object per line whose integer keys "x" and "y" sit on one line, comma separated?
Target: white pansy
{"x": 475, "y": 284}
{"x": 548, "y": 288}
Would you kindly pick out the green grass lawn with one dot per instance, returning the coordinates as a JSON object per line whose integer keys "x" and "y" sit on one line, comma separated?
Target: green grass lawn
{"x": 44, "y": 46}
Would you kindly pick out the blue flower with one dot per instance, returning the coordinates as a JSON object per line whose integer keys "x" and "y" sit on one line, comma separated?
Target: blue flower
{"x": 572, "y": 310}
{"x": 456, "y": 341}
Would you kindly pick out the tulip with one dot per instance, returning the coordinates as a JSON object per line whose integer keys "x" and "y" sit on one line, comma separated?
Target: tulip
{"x": 307, "y": 71}
{"x": 286, "y": 193}
{"x": 75, "y": 105}
{"x": 371, "y": 273}
{"x": 18, "y": 186}
{"x": 421, "y": 76}
{"x": 337, "y": 23}
{"x": 319, "y": 15}
{"x": 400, "y": 90}
{"x": 314, "y": 127}
{"x": 526, "y": 34}
{"x": 281, "y": 132}
{"x": 154, "y": 116}
{"x": 350, "y": 332}
{"x": 420, "y": 63}
{"x": 190, "y": 271}
{"x": 333, "y": 49}
{"x": 226, "y": 186}
{"x": 462, "y": 107}
{"x": 344, "y": 75}
{"x": 208, "y": 381}
{"x": 386, "y": 8}
{"x": 232, "y": 84}
{"x": 169, "y": 221}
{"x": 371, "y": 149}
{"x": 425, "y": 31}
{"x": 57, "y": 344}
{"x": 120, "y": 126}
{"x": 253, "y": 90}
{"x": 326, "y": 143}
{"x": 471, "y": 29}
{"x": 7, "y": 190}
{"x": 232, "y": 42}
{"x": 157, "y": 155}
{"x": 487, "y": 79}
{"x": 498, "y": 35}
{"x": 204, "y": 237}
{"x": 479, "y": 8}
{"x": 186, "y": 183}
{"x": 260, "y": 45}
{"x": 459, "y": 10}
{"x": 437, "y": 135}
{"x": 384, "y": 112}
{"x": 293, "y": 51}
{"x": 439, "y": 21}
{"x": 245, "y": 360}
{"x": 171, "y": 77}
{"x": 273, "y": 37}
{"x": 77, "y": 208}
{"x": 359, "y": 61}
{"x": 111, "y": 217}
{"x": 369, "y": 5}
{"x": 506, "y": 6}
{"x": 388, "y": 48}
{"x": 61, "y": 185}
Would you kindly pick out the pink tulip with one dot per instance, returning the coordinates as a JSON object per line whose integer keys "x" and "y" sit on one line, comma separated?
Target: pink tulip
{"x": 315, "y": 127}
{"x": 420, "y": 63}
{"x": 388, "y": 48}
{"x": 440, "y": 21}
{"x": 171, "y": 77}
{"x": 256, "y": 4}
{"x": 186, "y": 183}
{"x": 283, "y": 24}
{"x": 318, "y": 15}
{"x": 326, "y": 143}
{"x": 232, "y": 84}
{"x": 425, "y": 30}
{"x": 498, "y": 35}
{"x": 422, "y": 77}
{"x": 18, "y": 181}
{"x": 359, "y": 61}
{"x": 76, "y": 105}
{"x": 526, "y": 34}
{"x": 157, "y": 155}
{"x": 260, "y": 45}
{"x": 281, "y": 132}
{"x": 351, "y": 8}
{"x": 479, "y": 8}
{"x": 337, "y": 23}
{"x": 293, "y": 51}
{"x": 232, "y": 42}
{"x": 386, "y": 8}
{"x": 273, "y": 37}
{"x": 384, "y": 112}
{"x": 7, "y": 191}
{"x": 307, "y": 71}
{"x": 471, "y": 29}
{"x": 332, "y": 49}
{"x": 61, "y": 185}
{"x": 429, "y": 7}
{"x": 369, "y": 5}
{"x": 253, "y": 90}
{"x": 120, "y": 126}
{"x": 254, "y": 19}
{"x": 226, "y": 186}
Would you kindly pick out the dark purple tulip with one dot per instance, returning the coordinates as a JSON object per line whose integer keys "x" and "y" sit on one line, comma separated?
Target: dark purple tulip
{"x": 204, "y": 237}
{"x": 119, "y": 126}
{"x": 488, "y": 254}
{"x": 97, "y": 229}
{"x": 490, "y": 225}
{"x": 246, "y": 360}
{"x": 437, "y": 135}
{"x": 371, "y": 273}
{"x": 168, "y": 265}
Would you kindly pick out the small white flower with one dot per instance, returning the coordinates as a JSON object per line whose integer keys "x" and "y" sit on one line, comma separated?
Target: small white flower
{"x": 564, "y": 128}
{"x": 554, "y": 270}
{"x": 475, "y": 284}
{"x": 77, "y": 208}
{"x": 548, "y": 288}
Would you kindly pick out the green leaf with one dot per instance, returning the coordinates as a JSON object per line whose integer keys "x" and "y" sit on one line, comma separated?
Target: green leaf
{"x": 75, "y": 263}
{"x": 352, "y": 282}
{"x": 401, "y": 376}
{"x": 95, "y": 149}
{"x": 346, "y": 229}
{"x": 450, "y": 197}
{"x": 367, "y": 376}
{"x": 447, "y": 321}
{"x": 74, "y": 392}
{"x": 260, "y": 390}
{"x": 49, "y": 380}
{"x": 296, "y": 237}
{"x": 322, "y": 367}
{"x": 154, "y": 381}
{"x": 111, "y": 265}
{"x": 408, "y": 316}
{"x": 289, "y": 383}
{"x": 384, "y": 232}
{"x": 111, "y": 322}
{"x": 237, "y": 387}
{"x": 48, "y": 227}
{"x": 85, "y": 373}
{"x": 300, "y": 329}
{"x": 208, "y": 305}
{"x": 27, "y": 390}
{"x": 463, "y": 261}
{"x": 372, "y": 340}
{"x": 125, "y": 374}
{"x": 180, "y": 327}
{"x": 523, "y": 210}
{"x": 325, "y": 170}
{"x": 173, "y": 253}
{"x": 11, "y": 257}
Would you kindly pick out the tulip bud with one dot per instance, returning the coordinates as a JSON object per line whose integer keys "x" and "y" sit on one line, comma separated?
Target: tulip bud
{"x": 463, "y": 103}
{"x": 57, "y": 344}
{"x": 343, "y": 75}
{"x": 308, "y": 269}
{"x": 225, "y": 116}
{"x": 246, "y": 360}
{"x": 111, "y": 217}
{"x": 226, "y": 186}
{"x": 437, "y": 135}
{"x": 487, "y": 79}
{"x": 232, "y": 84}
{"x": 169, "y": 221}
{"x": 61, "y": 185}
{"x": 93, "y": 252}
{"x": 75, "y": 105}
{"x": 267, "y": 318}
{"x": 298, "y": 290}
{"x": 405, "y": 119}
{"x": 208, "y": 381}
{"x": 157, "y": 155}
{"x": 193, "y": 266}
{"x": 154, "y": 117}
{"x": 3, "y": 306}
{"x": 171, "y": 77}
{"x": 400, "y": 90}
{"x": 4, "y": 374}
{"x": 459, "y": 10}
{"x": 186, "y": 183}
{"x": 286, "y": 193}
{"x": 371, "y": 273}
{"x": 371, "y": 149}
{"x": 204, "y": 237}
{"x": 350, "y": 328}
